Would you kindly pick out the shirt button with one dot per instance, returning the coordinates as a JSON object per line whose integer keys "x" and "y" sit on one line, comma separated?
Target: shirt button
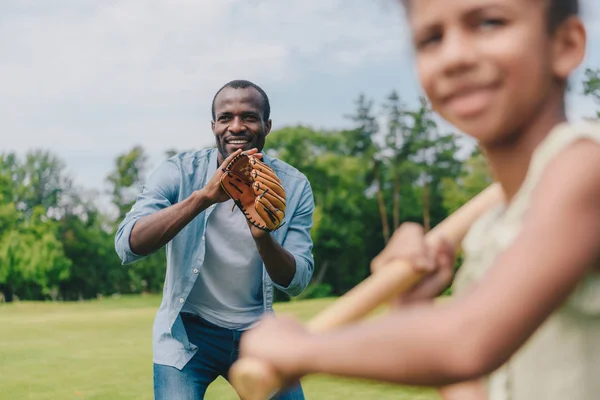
{"x": 181, "y": 300}
{"x": 196, "y": 270}
{"x": 203, "y": 237}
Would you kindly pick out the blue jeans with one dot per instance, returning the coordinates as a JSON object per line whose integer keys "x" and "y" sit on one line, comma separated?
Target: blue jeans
{"x": 218, "y": 348}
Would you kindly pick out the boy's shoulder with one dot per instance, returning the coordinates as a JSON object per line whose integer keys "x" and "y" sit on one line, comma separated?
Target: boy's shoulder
{"x": 561, "y": 138}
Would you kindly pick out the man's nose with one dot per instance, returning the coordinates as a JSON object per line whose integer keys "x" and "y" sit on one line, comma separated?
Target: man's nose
{"x": 236, "y": 126}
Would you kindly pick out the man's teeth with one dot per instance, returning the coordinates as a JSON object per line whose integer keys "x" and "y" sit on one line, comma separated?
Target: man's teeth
{"x": 238, "y": 141}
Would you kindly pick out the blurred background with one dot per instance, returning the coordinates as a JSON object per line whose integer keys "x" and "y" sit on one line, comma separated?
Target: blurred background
{"x": 95, "y": 94}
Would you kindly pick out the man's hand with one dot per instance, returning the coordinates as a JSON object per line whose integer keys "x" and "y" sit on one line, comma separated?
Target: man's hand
{"x": 434, "y": 257}
{"x": 212, "y": 191}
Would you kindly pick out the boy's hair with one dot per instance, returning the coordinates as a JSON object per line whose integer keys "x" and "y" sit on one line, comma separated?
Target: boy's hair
{"x": 558, "y": 11}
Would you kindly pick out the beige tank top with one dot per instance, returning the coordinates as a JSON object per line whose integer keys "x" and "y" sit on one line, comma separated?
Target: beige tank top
{"x": 561, "y": 361}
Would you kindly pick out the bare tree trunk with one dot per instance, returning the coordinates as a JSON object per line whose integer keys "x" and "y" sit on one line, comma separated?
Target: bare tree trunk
{"x": 426, "y": 216}
{"x": 382, "y": 211}
{"x": 7, "y": 293}
{"x": 319, "y": 278}
{"x": 396, "y": 210}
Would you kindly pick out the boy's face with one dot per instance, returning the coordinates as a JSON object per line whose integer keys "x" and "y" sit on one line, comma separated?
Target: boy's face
{"x": 487, "y": 66}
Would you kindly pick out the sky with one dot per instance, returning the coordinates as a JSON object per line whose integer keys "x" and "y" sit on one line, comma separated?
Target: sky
{"x": 88, "y": 79}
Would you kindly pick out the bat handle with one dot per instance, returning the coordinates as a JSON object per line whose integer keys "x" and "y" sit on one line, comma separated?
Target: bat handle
{"x": 254, "y": 379}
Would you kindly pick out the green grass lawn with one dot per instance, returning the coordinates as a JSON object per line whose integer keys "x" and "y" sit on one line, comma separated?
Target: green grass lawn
{"x": 102, "y": 350}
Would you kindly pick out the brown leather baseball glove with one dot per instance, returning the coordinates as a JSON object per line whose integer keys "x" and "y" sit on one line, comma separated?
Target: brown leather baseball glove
{"x": 256, "y": 190}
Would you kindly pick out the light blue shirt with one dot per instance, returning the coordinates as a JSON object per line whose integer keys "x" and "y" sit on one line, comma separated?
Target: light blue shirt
{"x": 175, "y": 180}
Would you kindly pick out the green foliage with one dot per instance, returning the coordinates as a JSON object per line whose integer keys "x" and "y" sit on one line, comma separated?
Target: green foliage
{"x": 33, "y": 192}
{"x": 339, "y": 184}
{"x": 316, "y": 291}
{"x": 473, "y": 178}
{"x": 392, "y": 165}
{"x": 591, "y": 85}
{"x": 125, "y": 181}
{"x": 53, "y": 244}
{"x": 32, "y": 261}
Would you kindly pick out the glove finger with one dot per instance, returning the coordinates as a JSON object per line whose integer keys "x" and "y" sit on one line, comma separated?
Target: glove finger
{"x": 270, "y": 215}
{"x": 260, "y": 189}
{"x": 274, "y": 186}
{"x": 265, "y": 176}
{"x": 255, "y": 218}
{"x": 258, "y": 165}
{"x": 233, "y": 184}
{"x": 273, "y": 198}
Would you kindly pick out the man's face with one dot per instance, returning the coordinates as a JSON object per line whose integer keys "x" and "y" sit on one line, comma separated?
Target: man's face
{"x": 486, "y": 65}
{"x": 239, "y": 121}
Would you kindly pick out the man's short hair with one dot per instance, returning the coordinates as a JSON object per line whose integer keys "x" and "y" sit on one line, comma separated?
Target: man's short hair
{"x": 243, "y": 84}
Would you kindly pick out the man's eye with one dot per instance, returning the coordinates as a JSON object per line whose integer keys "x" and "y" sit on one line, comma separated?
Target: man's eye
{"x": 224, "y": 119}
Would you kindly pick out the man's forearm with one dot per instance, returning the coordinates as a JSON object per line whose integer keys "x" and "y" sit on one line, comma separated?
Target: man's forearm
{"x": 280, "y": 264}
{"x": 152, "y": 232}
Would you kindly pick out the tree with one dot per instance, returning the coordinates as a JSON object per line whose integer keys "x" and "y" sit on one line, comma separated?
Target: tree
{"x": 39, "y": 180}
{"x": 32, "y": 260}
{"x": 362, "y": 144}
{"x": 591, "y": 85}
{"x": 44, "y": 183}
{"x": 10, "y": 176}
{"x": 474, "y": 176}
{"x": 89, "y": 243}
{"x": 33, "y": 194}
{"x": 434, "y": 156}
{"x": 345, "y": 219}
{"x": 399, "y": 142}
{"x": 125, "y": 180}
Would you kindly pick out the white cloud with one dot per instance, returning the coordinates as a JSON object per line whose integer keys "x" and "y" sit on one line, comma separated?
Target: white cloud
{"x": 99, "y": 77}
{"x": 89, "y": 79}
{"x": 137, "y": 52}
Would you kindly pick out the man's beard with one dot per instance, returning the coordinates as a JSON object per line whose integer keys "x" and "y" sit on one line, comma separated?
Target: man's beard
{"x": 221, "y": 149}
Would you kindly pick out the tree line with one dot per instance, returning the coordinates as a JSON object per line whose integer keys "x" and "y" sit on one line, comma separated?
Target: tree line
{"x": 395, "y": 164}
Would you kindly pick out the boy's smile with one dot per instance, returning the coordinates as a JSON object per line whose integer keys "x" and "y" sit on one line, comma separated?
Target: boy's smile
{"x": 469, "y": 100}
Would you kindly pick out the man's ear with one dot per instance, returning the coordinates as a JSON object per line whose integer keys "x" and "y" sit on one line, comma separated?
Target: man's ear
{"x": 212, "y": 126}
{"x": 570, "y": 42}
{"x": 268, "y": 125}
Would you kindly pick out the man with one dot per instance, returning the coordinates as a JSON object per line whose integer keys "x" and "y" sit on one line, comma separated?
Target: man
{"x": 221, "y": 270}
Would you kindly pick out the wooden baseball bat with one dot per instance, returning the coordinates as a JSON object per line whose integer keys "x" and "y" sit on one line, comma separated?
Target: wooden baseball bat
{"x": 256, "y": 380}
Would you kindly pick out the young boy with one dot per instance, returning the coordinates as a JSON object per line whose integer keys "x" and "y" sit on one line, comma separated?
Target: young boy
{"x": 526, "y": 317}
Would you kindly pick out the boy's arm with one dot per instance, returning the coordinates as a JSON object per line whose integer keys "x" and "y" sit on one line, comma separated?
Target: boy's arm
{"x": 473, "y": 335}
{"x": 470, "y": 390}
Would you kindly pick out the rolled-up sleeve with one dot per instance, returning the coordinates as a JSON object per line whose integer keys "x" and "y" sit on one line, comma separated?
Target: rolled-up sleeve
{"x": 159, "y": 192}
{"x": 299, "y": 243}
